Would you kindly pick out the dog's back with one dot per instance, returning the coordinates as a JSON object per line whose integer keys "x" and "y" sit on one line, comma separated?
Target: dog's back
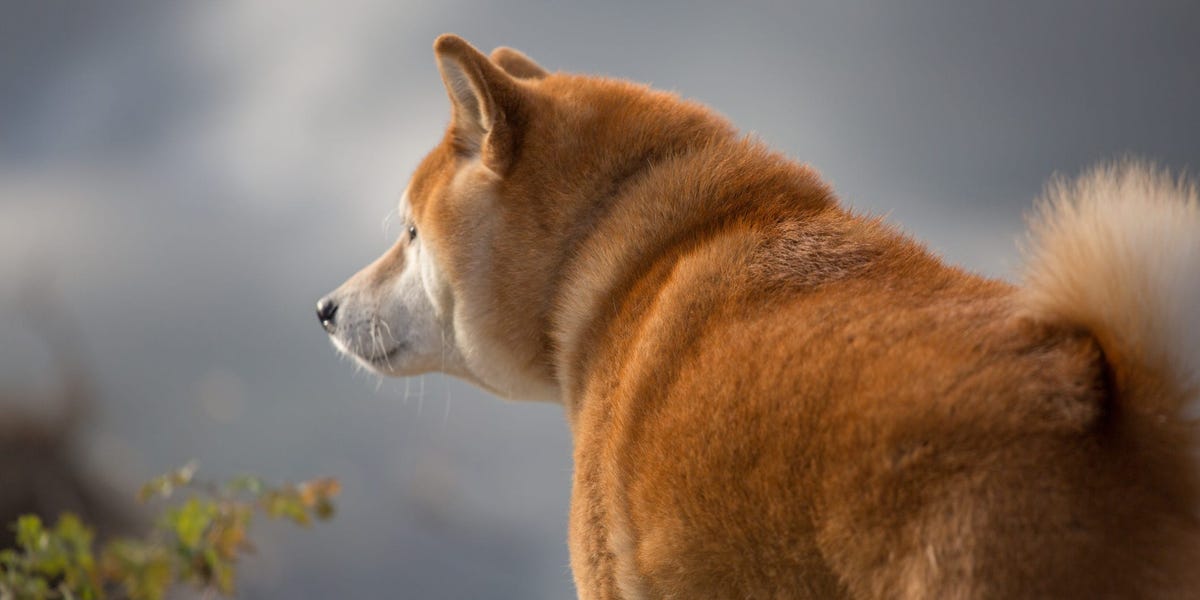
{"x": 801, "y": 402}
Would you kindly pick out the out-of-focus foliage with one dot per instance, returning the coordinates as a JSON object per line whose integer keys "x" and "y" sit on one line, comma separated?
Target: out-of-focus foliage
{"x": 196, "y": 541}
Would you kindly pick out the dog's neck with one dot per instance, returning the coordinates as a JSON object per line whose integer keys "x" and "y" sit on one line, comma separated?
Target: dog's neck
{"x": 650, "y": 219}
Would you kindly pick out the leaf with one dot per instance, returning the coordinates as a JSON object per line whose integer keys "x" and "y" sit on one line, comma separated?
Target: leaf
{"x": 229, "y": 536}
{"x": 164, "y": 485}
{"x": 325, "y": 509}
{"x": 30, "y": 534}
{"x": 143, "y": 569}
{"x": 287, "y": 504}
{"x": 250, "y": 484}
{"x": 190, "y": 521}
{"x": 73, "y": 539}
{"x": 315, "y": 491}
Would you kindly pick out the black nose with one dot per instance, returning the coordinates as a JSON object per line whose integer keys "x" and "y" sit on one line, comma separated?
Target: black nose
{"x": 326, "y": 309}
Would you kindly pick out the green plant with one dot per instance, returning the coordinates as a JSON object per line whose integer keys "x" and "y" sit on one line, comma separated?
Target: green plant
{"x": 197, "y": 541}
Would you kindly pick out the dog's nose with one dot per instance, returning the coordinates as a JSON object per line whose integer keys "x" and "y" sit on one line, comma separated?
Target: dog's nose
{"x": 326, "y": 309}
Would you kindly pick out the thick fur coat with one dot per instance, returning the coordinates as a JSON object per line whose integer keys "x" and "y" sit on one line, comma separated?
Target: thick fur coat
{"x": 774, "y": 397}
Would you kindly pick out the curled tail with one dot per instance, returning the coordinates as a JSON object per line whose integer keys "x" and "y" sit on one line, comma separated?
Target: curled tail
{"x": 1117, "y": 252}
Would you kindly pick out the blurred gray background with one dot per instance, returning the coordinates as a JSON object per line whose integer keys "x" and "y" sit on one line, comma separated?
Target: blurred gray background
{"x": 191, "y": 177}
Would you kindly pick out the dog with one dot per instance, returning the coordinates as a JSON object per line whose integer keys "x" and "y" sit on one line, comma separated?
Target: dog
{"x": 773, "y": 397}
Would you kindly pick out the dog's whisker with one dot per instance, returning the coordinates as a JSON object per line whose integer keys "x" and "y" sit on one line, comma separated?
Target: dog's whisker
{"x": 420, "y": 394}
{"x": 388, "y": 327}
{"x": 387, "y": 221}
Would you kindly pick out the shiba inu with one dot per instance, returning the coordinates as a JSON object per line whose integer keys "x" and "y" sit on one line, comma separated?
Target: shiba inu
{"x": 773, "y": 397}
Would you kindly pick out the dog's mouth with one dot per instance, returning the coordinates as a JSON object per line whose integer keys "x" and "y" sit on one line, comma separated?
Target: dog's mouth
{"x": 383, "y": 358}
{"x": 380, "y": 357}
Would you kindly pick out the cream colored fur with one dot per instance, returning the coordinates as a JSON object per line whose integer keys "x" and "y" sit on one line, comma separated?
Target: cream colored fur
{"x": 1117, "y": 252}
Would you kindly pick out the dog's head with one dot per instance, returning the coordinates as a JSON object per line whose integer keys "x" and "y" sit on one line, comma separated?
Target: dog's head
{"x": 492, "y": 217}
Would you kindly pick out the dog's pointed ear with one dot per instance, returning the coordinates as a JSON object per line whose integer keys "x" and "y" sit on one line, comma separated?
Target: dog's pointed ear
{"x": 489, "y": 106}
{"x": 517, "y": 64}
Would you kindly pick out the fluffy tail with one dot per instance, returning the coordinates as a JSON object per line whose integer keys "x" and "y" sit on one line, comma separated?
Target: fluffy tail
{"x": 1117, "y": 252}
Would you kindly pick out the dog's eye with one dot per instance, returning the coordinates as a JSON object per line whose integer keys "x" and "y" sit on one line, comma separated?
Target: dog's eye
{"x": 412, "y": 232}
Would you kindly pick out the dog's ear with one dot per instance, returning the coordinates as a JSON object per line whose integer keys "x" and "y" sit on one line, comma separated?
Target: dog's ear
{"x": 490, "y": 107}
{"x": 517, "y": 64}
